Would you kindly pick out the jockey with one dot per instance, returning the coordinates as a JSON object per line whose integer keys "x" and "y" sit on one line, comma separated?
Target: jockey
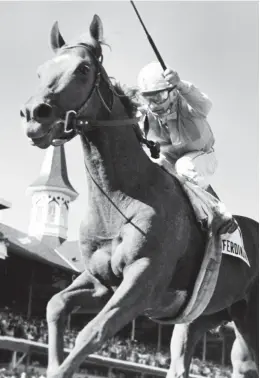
{"x": 177, "y": 117}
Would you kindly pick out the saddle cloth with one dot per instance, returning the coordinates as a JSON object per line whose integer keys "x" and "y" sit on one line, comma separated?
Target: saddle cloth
{"x": 233, "y": 245}
{"x": 217, "y": 245}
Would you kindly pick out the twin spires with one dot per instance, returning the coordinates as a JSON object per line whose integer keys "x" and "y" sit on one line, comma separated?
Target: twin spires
{"x": 51, "y": 194}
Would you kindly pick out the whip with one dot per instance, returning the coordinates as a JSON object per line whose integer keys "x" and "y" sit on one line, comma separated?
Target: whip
{"x": 158, "y": 55}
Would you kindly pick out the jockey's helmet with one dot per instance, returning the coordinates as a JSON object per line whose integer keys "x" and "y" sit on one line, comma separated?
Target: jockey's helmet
{"x": 151, "y": 80}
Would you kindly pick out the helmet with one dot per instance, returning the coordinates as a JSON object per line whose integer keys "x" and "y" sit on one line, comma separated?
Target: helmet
{"x": 151, "y": 79}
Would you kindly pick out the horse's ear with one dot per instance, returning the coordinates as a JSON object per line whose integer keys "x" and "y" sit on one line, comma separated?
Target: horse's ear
{"x": 56, "y": 38}
{"x": 96, "y": 28}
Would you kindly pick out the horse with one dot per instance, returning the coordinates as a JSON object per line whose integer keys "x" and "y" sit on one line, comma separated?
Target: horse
{"x": 140, "y": 242}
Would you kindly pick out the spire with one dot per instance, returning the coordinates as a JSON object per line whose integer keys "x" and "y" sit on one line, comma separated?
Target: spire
{"x": 51, "y": 193}
{"x": 54, "y": 173}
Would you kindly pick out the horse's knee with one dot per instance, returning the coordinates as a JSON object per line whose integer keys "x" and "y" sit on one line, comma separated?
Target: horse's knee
{"x": 94, "y": 333}
{"x": 55, "y": 307}
{"x": 247, "y": 368}
{"x": 242, "y": 359}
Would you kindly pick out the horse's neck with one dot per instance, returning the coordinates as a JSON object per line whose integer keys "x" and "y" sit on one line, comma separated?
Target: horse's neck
{"x": 113, "y": 156}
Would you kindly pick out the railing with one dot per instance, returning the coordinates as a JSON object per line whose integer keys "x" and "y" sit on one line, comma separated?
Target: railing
{"x": 29, "y": 347}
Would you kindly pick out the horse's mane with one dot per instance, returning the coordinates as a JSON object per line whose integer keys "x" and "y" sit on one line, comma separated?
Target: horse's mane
{"x": 129, "y": 97}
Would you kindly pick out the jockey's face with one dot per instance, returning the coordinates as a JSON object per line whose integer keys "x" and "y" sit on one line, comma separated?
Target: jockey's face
{"x": 160, "y": 101}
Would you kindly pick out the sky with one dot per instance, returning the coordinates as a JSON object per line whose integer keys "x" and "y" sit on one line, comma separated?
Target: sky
{"x": 214, "y": 45}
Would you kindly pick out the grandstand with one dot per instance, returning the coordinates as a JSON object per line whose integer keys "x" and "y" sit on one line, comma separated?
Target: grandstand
{"x": 30, "y": 337}
{"x": 32, "y": 272}
{"x": 31, "y": 347}
{"x": 97, "y": 364}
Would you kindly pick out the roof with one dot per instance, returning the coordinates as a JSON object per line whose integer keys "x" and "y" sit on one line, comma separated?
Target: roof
{"x": 54, "y": 173}
{"x": 31, "y": 248}
{"x": 4, "y": 204}
{"x": 70, "y": 250}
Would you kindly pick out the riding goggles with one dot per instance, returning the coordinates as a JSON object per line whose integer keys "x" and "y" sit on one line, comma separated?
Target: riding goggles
{"x": 157, "y": 98}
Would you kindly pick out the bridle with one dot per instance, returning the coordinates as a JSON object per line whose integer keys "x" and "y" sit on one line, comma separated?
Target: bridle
{"x": 75, "y": 123}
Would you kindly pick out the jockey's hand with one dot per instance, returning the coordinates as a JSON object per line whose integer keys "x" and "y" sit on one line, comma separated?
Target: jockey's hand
{"x": 172, "y": 77}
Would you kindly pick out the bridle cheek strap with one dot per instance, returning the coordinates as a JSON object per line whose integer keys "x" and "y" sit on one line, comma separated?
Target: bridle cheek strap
{"x": 74, "y": 124}
{"x": 95, "y": 88}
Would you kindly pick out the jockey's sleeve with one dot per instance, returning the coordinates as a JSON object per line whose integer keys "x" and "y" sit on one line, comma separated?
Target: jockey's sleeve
{"x": 141, "y": 115}
{"x": 195, "y": 101}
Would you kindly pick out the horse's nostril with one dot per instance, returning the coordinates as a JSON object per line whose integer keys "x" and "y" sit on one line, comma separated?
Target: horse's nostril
{"x": 25, "y": 113}
{"x": 42, "y": 111}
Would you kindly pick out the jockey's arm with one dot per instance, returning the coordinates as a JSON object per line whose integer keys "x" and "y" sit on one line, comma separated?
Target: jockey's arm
{"x": 141, "y": 114}
{"x": 193, "y": 99}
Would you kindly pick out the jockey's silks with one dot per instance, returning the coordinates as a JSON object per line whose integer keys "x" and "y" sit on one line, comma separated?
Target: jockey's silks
{"x": 183, "y": 127}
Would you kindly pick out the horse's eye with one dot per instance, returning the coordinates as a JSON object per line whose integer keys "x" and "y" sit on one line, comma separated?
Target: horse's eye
{"x": 83, "y": 69}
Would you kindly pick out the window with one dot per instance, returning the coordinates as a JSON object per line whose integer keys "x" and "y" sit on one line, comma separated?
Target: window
{"x": 63, "y": 215}
{"x": 52, "y": 210}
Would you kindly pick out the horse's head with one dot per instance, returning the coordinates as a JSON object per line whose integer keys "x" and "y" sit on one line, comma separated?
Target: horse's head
{"x": 69, "y": 83}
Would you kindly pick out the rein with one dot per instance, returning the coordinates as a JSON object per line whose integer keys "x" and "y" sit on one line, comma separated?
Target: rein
{"x": 75, "y": 124}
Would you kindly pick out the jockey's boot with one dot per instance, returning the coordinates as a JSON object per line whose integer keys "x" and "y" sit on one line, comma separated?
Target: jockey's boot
{"x": 223, "y": 221}
{"x": 210, "y": 212}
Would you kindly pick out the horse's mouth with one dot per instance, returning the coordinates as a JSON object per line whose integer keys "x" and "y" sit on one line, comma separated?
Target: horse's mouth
{"x": 45, "y": 140}
{"x": 41, "y": 142}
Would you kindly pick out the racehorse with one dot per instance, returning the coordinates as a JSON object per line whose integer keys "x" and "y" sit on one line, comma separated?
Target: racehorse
{"x": 140, "y": 242}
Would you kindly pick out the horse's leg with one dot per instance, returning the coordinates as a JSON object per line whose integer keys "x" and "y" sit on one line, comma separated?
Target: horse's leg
{"x": 245, "y": 315}
{"x": 85, "y": 291}
{"x": 184, "y": 340}
{"x": 241, "y": 358}
{"x": 132, "y": 297}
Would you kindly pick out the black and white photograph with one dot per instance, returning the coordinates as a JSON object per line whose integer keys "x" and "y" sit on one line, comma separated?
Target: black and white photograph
{"x": 129, "y": 198}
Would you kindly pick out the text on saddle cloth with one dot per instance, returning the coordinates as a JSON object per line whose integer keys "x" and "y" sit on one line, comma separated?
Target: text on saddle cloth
{"x": 233, "y": 245}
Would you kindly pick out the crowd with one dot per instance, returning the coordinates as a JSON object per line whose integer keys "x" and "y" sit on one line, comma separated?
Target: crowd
{"x": 124, "y": 349}
{"x": 34, "y": 329}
